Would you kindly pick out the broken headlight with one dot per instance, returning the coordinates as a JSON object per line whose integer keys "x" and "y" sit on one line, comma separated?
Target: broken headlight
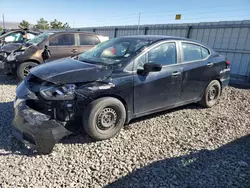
{"x": 13, "y": 55}
{"x": 65, "y": 92}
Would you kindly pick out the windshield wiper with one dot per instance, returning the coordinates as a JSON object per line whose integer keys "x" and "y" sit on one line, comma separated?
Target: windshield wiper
{"x": 90, "y": 61}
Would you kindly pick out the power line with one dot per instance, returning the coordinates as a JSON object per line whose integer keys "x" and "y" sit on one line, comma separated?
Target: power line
{"x": 172, "y": 15}
{"x": 198, "y": 18}
{"x": 180, "y": 10}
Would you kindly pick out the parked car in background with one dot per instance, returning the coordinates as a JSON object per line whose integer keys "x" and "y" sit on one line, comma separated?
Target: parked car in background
{"x": 47, "y": 47}
{"x": 118, "y": 80}
{"x": 17, "y": 36}
{"x": 13, "y": 39}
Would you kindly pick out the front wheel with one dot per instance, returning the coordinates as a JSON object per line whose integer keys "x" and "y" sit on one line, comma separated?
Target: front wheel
{"x": 104, "y": 118}
{"x": 211, "y": 94}
{"x": 24, "y": 69}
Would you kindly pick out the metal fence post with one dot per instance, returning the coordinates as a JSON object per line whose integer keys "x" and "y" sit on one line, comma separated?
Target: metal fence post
{"x": 145, "y": 30}
{"x": 115, "y": 32}
{"x": 188, "y": 31}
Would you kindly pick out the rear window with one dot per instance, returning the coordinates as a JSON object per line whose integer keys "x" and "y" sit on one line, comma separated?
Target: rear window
{"x": 88, "y": 40}
{"x": 62, "y": 40}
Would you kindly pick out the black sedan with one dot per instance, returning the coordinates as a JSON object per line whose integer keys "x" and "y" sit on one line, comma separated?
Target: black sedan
{"x": 118, "y": 80}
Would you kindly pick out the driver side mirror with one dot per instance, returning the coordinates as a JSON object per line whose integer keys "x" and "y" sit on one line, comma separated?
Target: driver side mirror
{"x": 46, "y": 53}
{"x": 150, "y": 67}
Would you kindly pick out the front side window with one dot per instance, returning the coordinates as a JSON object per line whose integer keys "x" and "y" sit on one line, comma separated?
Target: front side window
{"x": 164, "y": 54}
{"x": 62, "y": 40}
{"x": 88, "y": 40}
{"x": 192, "y": 52}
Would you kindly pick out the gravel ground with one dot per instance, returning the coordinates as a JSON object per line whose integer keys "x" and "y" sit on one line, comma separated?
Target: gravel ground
{"x": 185, "y": 147}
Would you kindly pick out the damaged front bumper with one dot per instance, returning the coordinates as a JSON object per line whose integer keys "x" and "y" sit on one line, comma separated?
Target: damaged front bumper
{"x": 8, "y": 66}
{"x": 36, "y": 128}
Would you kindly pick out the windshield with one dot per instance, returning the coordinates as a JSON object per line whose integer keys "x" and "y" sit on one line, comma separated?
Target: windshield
{"x": 114, "y": 50}
{"x": 39, "y": 38}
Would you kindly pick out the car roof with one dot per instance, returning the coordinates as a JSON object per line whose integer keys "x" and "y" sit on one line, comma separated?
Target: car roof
{"x": 68, "y": 31}
{"x": 156, "y": 38}
{"x": 19, "y": 30}
{"x": 72, "y": 31}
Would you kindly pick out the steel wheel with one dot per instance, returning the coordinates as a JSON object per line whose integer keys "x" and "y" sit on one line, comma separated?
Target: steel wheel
{"x": 26, "y": 70}
{"x": 107, "y": 119}
{"x": 104, "y": 117}
{"x": 213, "y": 93}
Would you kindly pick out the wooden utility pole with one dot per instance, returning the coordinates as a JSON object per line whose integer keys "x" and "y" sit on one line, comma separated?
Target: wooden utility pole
{"x": 3, "y": 22}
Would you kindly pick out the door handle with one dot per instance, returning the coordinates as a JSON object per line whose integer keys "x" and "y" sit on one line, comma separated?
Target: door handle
{"x": 73, "y": 51}
{"x": 210, "y": 64}
{"x": 176, "y": 73}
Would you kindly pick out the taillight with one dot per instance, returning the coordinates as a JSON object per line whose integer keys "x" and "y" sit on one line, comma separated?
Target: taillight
{"x": 227, "y": 63}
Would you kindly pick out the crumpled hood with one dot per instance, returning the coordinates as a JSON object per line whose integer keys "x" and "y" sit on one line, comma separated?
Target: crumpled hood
{"x": 9, "y": 48}
{"x": 68, "y": 70}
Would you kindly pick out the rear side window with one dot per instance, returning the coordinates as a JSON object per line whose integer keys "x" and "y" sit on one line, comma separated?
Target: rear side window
{"x": 62, "y": 40}
{"x": 205, "y": 52}
{"x": 191, "y": 52}
{"x": 88, "y": 40}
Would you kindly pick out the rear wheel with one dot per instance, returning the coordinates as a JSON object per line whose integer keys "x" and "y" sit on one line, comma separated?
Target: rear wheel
{"x": 24, "y": 69}
{"x": 104, "y": 118}
{"x": 211, "y": 94}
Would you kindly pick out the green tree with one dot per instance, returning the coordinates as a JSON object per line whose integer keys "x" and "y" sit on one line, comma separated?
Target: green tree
{"x": 66, "y": 26}
{"x": 1, "y": 28}
{"x": 42, "y": 24}
{"x": 55, "y": 24}
{"x": 24, "y": 24}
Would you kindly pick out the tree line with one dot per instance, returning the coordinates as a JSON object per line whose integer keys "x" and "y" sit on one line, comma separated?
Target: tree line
{"x": 44, "y": 24}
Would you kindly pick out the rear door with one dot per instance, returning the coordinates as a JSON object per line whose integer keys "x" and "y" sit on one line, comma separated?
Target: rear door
{"x": 198, "y": 70}
{"x": 62, "y": 45}
{"x": 87, "y": 42}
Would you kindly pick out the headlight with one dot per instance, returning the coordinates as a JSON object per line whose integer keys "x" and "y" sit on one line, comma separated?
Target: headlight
{"x": 13, "y": 55}
{"x": 65, "y": 92}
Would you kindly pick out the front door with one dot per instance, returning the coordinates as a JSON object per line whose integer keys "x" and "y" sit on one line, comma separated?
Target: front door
{"x": 161, "y": 89}
{"x": 62, "y": 45}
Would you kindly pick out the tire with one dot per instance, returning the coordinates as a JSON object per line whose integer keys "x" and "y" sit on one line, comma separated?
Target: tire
{"x": 104, "y": 118}
{"x": 211, "y": 94}
{"x": 21, "y": 69}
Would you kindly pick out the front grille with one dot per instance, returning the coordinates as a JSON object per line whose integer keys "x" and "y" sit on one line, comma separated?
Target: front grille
{"x": 40, "y": 106}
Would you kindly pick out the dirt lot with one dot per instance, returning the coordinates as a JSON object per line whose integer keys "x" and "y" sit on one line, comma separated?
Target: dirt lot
{"x": 185, "y": 147}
